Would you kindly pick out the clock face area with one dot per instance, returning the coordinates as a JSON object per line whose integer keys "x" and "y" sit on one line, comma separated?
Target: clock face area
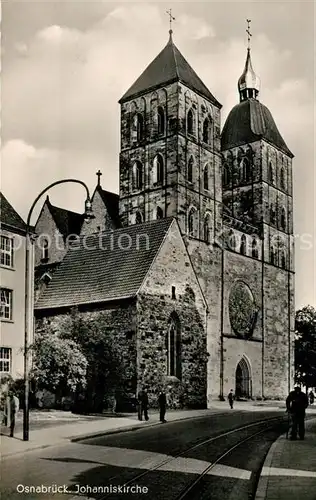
{"x": 242, "y": 310}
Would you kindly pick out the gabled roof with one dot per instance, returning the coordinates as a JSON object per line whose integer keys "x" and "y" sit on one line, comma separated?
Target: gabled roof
{"x": 168, "y": 67}
{"x": 250, "y": 121}
{"x": 9, "y": 216}
{"x": 104, "y": 267}
{"x": 111, "y": 202}
{"x": 67, "y": 222}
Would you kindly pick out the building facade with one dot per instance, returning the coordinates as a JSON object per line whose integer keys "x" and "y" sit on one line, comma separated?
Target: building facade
{"x": 229, "y": 194}
{"x": 12, "y": 311}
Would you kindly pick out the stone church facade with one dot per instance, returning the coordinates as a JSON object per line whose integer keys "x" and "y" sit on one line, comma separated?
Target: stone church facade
{"x": 214, "y": 310}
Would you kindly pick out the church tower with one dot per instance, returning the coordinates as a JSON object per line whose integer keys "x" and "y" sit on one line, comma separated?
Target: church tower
{"x": 257, "y": 190}
{"x": 170, "y": 147}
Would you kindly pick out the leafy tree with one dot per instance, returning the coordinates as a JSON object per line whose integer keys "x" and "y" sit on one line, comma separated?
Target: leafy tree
{"x": 59, "y": 365}
{"x": 305, "y": 347}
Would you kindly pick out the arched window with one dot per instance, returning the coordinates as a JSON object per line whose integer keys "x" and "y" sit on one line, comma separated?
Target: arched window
{"x": 245, "y": 169}
{"x": 140, "y": 127}
{"x": 272, "y": 214}
{"x": 190, "y": 122}
{"x": 173, "y": 342}
{"x": 161, "y": 120}
{"x": 254, "y": 248}
{"x": 137, "y": 175}
{"x": 45, "y": 255}
{"x": 283, "y": 259}
{"x": 158, "y": 169}
{"x": 243, "y": 245}
{"x": 226, "y": 175}
{"x": 191, "y": 217}
{"x": 283, "y": 219}
{"x": 138, "y": 218}
{"x": 190, "y": 169}
{"x": 206, "y": 131}
{"x": 232, "y": 243}
{"x": 207, "y": 229}
{"x": 205, "y": 178}
{"x": 159, "y": 213}
{"x": 282, "y": 180}
{"x": 270, "y": 173}
{"x": 272, "y": 255}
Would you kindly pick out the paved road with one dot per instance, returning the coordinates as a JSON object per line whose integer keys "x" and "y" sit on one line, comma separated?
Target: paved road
{"x": 163, "y": 461}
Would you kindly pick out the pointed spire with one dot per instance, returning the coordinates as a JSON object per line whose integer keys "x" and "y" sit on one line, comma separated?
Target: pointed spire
{"x": 249, "y": 82}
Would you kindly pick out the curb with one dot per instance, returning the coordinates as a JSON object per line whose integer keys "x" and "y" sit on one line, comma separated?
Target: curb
{"x": 262, "y": 488}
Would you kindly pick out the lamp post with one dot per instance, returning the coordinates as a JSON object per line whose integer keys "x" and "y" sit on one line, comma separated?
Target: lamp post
{"x": 29, "y": 297}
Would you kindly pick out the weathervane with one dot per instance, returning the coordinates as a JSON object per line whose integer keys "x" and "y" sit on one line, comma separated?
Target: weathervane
{"x": 171, "y": 18}
{"x": 248, "y": 31}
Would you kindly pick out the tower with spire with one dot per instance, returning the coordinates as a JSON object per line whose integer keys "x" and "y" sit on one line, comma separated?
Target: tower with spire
{"x": 170, "y": 147}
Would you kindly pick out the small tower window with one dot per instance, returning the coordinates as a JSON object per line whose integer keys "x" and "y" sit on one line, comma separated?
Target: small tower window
{"x": 173, "y": 292}
{"x": 161, "y": 120}
{"x": 207, "y": 229}
{"x": 243, "y": 245}
{"x": 272, "y": 214}
{"x": 174, "y": 347}
{"x": 138, "y": 218}
{"x": 245, "y": 169}
{"x": 191, "y": 218}
{"x": 137, "y": 175}
{"x": 190, "y": 122}
{"x": 272, "y": 255}
{"x": 226, "y": 175}
{"x": 254, "y": 248}
{"x": 140, "y": 127}
{"x": 283, "y": 219}
{"x": 283, "y": 259}
{"x": 205, "y": 178}
{"x": 232, "y": 243}
{"x": 45, "y": 248}
{"x": 282, "y": 180}
{"x": 206, "y": 131}
{"x": 158, "y": 169}
{"x": 270, "y": 173}
{"x": 190, "y": 169}
{"x": 159, "y": 213}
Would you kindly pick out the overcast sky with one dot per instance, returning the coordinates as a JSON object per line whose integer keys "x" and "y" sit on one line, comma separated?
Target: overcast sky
{"x": 66, "y": 64}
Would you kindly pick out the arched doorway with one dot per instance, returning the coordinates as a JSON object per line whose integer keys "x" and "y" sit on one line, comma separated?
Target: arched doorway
{"x": 243, "y": 387}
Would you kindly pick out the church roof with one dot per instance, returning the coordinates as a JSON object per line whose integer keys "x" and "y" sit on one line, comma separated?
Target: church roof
{"x": 67, "y": 222}
{"x": 9, "y": 217}
{"x": 111, "y": 202}
{"x": 168, "y": 67}
{"x": 105, "y": 267}
{"x": 251, "y": 121}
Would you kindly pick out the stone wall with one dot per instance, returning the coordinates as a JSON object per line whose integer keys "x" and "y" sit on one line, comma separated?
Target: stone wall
{"x": 171, "y": 287}
{"x": 102, "y": 220}
{"x": 46, "y": 229}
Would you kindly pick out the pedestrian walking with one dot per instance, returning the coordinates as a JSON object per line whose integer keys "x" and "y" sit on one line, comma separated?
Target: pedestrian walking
{"x": 143, "y": 404}
{"x": 11, "y": 409}
{"x": 230, "y": 398}
{"x": 311, "y": 398}
{"x": 162, "y": 400}
{"x": 296, "y": 404}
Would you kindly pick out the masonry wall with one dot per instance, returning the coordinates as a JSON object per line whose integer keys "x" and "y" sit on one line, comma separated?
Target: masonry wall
{"x": 46, "y": 229}
{"x": 102, "y": 220}
{"x": 155, "y": 305}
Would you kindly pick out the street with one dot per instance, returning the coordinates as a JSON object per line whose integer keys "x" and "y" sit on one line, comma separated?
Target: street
{"x": 222, "y": 454}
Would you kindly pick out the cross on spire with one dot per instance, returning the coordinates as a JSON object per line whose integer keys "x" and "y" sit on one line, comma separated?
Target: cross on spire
{"x": 248, "y": 32}
{"x": 171, "y": 18}
{"x": 99, "y": 173}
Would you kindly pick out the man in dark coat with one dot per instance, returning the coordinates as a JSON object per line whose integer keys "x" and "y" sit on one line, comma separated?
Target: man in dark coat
{"x": 162, "y": 406}
{"x": 230, "y": 398}
{"x": 143, "y": 405}
{"x": 296, "y": 404}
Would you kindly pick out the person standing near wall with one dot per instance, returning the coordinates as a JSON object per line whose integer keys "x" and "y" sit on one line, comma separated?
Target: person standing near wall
{"x": 296, "y": 404}
{"x": 12, "y": 407}
{"x": 230, "y": 398}
{"x": 162, "y": 401}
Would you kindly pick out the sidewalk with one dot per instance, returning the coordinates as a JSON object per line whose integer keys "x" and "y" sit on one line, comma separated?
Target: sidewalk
{"x": 289, "y": 471}
{"x": 74, "y": 427}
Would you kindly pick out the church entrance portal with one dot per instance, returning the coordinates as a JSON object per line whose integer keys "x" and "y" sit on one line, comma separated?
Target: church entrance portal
{"x": 243, "y": 380}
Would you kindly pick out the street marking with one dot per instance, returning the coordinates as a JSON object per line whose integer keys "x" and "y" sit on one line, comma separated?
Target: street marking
{"x": 277, "y": 471}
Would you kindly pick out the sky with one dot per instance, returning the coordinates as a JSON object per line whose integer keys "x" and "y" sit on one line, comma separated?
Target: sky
{"x": 66, "y": 64}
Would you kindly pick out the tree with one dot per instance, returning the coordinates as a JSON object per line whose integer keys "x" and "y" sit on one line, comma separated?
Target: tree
{"x": 59, "y": 365}
{"x": 305, "y": 347}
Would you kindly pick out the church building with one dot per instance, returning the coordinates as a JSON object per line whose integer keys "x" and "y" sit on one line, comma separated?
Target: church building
{"x": 195, "y": 274}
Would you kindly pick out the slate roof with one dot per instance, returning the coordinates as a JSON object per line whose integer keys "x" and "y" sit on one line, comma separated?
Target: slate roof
{"x": 251, "y": 121}
{"x": 67, "y": 222}
{"x": 168, "y": 67}
{"x": 99, "y": 269}
{"x": 9, "y": 216}
{"x": 111, "y": 201}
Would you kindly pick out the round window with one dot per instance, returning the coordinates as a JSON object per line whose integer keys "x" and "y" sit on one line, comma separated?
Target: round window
{"x": 242, "y": 310}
